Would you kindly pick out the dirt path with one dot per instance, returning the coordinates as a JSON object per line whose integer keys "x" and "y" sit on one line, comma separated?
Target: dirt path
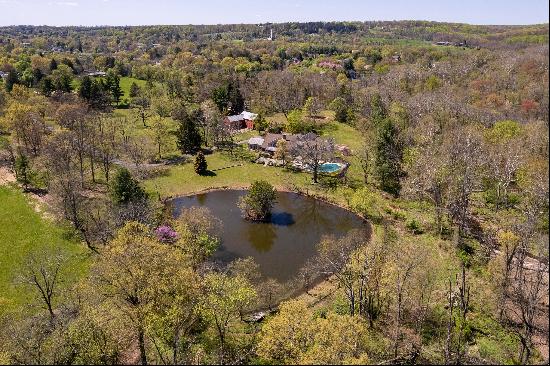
{"x": 6, "y": 176}
{"x": 37, "y": 201}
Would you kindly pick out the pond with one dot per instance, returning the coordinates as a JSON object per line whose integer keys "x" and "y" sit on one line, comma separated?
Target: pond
{"x": 282, "y": 245}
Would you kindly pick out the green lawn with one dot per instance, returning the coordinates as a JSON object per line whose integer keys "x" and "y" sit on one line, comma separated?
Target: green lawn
{"x": 126, "y": 83}
{"x": 23, "y": 232}
{"x": 182, "y": 179}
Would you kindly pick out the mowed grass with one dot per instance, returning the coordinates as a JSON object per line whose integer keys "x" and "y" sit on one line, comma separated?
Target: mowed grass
{"x": 182, "y": 179}
{"x": 126, "y": 82}
{"x": 24, "y": 232}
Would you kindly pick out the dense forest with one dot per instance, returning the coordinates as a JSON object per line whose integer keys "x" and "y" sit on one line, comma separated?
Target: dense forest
{"x": 448, "y": 130}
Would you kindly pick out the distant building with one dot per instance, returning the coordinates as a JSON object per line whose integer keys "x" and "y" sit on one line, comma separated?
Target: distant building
{"x": 240, "y": 121}
{"x": 396, "y": 58}
{"x": 97, "y": 73}
{"x": 443, "y": 43}
{"x": 3, "y": 74}
{"x": 327, "y": 64}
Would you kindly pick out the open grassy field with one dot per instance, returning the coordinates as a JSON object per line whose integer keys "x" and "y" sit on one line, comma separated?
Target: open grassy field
{"x": 126, "y": 83}
{"x": 182, "y": 179}
{"x": 24, "y": 232}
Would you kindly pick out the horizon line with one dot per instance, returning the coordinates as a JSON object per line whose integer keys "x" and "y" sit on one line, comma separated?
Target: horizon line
{"x": 273, "y": 23}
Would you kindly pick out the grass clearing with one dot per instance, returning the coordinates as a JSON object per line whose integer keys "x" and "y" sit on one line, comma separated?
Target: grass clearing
{"x": 24, "y": 232}
{"x": 182, "y": 179}
{"x": 126, "y": 83}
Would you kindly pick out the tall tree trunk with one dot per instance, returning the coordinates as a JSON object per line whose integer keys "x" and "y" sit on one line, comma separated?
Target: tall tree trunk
{"x": 175, "y": 346}
{"x": 81, "y": 161}
{"x": 449, "y": 326}
{"x": 315, "y": 173}
{"x": 141, "y": 340}
{"x": 92, "y": 167}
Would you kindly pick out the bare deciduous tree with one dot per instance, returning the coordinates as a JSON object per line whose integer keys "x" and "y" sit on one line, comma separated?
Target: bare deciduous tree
{"x": 42, "y": 272}
{"x": 313, "y": 150}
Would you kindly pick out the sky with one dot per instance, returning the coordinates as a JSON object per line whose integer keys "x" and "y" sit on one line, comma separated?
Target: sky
{"x": 144, "y": 12}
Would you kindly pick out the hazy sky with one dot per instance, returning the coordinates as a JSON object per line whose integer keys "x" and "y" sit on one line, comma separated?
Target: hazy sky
{"x": 135, "y": 12}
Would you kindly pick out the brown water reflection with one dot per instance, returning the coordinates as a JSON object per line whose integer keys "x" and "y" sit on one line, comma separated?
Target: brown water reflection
{"x": 283, "y": 245}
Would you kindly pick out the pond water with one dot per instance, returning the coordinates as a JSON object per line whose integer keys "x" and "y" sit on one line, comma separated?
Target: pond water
{"x": 283, "y": 245}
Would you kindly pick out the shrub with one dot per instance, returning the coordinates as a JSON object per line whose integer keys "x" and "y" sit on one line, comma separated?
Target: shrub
{"x": 415, "y": 227}
{"x": 395, "y": 214}
{"x": 367, "y": 203}
{"x": 166, "y": 234}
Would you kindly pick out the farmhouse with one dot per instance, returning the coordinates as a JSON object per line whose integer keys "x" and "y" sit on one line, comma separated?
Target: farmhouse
{"x": 240, "y": 121}
{"x": 268, "y": 143}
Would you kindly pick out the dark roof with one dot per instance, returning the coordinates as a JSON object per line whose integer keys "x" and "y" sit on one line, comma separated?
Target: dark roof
{"x": 270, "y": 139}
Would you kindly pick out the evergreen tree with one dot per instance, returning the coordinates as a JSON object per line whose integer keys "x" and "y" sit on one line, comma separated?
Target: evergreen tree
{"x": 37, "y": 76}
{"x": 113, "y": 85}
{"x": 378, "y": 111}
{"x": 200, "y": 164}
{"x": 85, "y": 89}
{"x": 187, "y": 135}
{"x": 116, "y": 90}
{"x": 134, "y": 90}
{"x": 228, "y": 98}
{"x": 125, "y": 188}
{"x": 94, "y": 92}
{"x": 11, "y": 80}
{"x": 100, "y": 97}
{"x": 46, "y": 86}
{"x": 389, "y": 157}
{"x": 53, "y": 64}
{"x": 236, "y": 100}
{"x": 340, "y": 108}
{"x": 22, "y": 170}
{"x": 220, "y": 97}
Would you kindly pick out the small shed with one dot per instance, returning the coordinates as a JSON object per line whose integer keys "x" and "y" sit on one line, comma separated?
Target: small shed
{"x": 255, "y": 143}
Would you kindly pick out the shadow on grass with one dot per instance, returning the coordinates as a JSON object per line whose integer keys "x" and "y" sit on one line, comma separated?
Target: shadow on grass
{"x": 208, "y": 173}
{"x": 176, "y": 160}
{"x": 37, "y": 191}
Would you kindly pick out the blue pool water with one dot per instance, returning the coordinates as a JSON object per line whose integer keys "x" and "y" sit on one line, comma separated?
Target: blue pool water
{"x": 329, "y": 167}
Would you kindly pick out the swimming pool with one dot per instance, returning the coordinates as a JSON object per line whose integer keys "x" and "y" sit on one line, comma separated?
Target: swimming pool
{"x": 330, "y": 167}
